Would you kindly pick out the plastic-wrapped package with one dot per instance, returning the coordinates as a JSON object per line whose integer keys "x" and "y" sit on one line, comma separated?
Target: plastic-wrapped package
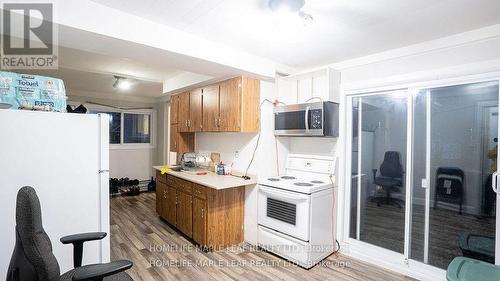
{"x": 7, "y": 89}
{"x": 33, "y": 92}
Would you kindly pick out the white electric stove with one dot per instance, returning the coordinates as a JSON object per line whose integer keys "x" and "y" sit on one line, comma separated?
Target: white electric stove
{"x": 295, "y": 211}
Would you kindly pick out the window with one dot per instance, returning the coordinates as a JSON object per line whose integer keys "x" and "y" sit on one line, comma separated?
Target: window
{"x": 128, "y": 128}
{"x": 137, "y": 128}
{"x": 115, "y": 125}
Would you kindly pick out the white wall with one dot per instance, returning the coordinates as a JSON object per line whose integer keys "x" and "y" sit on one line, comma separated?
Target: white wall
{"x": 134, "y": 162}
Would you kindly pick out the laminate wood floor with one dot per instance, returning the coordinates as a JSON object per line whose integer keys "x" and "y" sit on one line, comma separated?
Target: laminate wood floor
{"x": 384, "y": 226}
{"x": 160, "y": 253}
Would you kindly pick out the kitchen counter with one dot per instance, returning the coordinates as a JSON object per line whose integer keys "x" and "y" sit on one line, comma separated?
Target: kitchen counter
{"x": 211, "y": 179}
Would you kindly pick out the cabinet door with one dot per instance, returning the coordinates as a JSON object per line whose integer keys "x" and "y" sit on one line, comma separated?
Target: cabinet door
{"x": 185, "y": 213}
{"x": 211, "y": 108}
{"x": 230, "y": 105}
{"x": 174, "y": 109}
{"x": 183, "y": 112}
{"x": 160, "y": 196}
{"x": 196, "y": 110}
{"x": 200, "y": 220}
{"x": 174, "y": 138}
{"x": 169, "y": 205}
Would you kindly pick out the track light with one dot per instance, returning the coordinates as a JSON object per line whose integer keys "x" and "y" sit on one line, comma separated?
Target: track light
{"x": 121, "y": 83}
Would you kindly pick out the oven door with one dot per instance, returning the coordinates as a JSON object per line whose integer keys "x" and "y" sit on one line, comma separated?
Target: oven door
{"x": 299, "y": 120}
{"x": 284, "y": 211}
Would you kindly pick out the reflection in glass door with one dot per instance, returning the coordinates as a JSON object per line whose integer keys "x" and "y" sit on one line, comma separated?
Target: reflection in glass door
{"x": 378, "y": 157}
{"x": 454, "y": 155}
{"x": 422, "y": 167}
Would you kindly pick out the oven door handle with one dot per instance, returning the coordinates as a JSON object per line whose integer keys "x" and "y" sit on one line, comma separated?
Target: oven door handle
{"x": 306, "y": 119}
{"x": 284, "y": 195}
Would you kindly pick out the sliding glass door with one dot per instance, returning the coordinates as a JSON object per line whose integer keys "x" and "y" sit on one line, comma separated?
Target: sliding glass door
{"x": 422, "y": 164}
{"x": 378, "y": 169}
{"x": 454, "y": 157}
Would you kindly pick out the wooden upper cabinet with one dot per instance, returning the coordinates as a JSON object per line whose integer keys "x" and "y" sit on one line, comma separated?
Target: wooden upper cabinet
{"x": 174, "y": 138}
{"x": 196, "y": 110}
{"x": 230, "y": 105}
{"x": 183, "y": 112}
{"x": 211, "y": 108}
{"x": 174, "y": 109}
{"x": 250, "y": 105}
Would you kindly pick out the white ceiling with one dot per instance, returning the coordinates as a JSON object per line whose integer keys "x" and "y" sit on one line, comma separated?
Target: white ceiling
{"x": 99, "y": 85}
{"x": 92, "y": 75}
{"x": 342, "y": 29}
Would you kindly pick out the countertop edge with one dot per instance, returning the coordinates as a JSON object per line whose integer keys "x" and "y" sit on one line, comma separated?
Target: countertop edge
{"x": 193, "y": 178}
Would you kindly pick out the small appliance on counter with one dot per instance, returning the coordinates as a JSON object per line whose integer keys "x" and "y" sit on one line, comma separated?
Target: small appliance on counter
{"x": 320, "y": 119}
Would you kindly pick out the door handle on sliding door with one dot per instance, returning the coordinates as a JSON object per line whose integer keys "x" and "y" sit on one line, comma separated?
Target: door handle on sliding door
{"x": 494, "y": 182}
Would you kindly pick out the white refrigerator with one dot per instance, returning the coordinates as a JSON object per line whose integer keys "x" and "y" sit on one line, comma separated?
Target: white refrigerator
{"x": 65, "y": 158}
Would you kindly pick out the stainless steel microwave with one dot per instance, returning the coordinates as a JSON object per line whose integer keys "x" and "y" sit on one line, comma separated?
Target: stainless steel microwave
{"x": 307, "y": 119}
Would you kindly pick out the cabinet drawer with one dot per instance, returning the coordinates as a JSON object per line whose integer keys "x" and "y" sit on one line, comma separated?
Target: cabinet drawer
{"x": 180, "y": 184}
{"x": 200, "y": 191}
{"x": 161, "y": 178}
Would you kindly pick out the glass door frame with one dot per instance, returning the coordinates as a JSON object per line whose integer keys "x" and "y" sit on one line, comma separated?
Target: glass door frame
{"x": 369, "y": 252}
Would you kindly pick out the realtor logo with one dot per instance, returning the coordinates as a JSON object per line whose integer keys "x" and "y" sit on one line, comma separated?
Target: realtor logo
{"x": 28, "y": 36}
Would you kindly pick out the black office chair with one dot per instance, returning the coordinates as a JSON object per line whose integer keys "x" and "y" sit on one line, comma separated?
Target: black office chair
{"x": 390, "y": 179}
{"x": 33, "y": 259}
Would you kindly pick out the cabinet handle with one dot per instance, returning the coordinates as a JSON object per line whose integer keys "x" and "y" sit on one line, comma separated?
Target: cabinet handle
{"x": 202, "y": 213}
{"x": 219, "y": 122}
{"x": 215, "y": 122}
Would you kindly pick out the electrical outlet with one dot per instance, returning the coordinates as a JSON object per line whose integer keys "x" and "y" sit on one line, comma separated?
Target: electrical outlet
{"x": 236, "y": 154}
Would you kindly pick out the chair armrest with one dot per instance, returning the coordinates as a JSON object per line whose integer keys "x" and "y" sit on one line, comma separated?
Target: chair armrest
{"x": 374, "y": 174}
{"x": 99, "y": 271}
{"x": 77, "y": 241}
{"x": 83, "y": 237}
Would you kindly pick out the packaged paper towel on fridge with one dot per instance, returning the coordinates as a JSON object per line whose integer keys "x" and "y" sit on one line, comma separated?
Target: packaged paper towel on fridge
{"x": 40, "y": 93}
{"x": 32, "y": 92}
{"x": 7, "y": 89}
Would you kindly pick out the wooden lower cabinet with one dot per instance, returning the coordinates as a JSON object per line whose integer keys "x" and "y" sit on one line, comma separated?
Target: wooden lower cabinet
{"x": 170, "y": 205}
{"x": 212, "y": 218}
{"x": 200, "y": 220}
{"x": 185, "y": 213}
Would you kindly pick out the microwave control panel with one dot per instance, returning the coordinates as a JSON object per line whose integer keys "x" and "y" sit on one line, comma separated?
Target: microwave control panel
{"x": 316, "y": 119}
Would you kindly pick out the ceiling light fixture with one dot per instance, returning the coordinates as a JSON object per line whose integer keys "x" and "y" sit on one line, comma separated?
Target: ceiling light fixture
{"x": 290, "y": 6}
{"x": 121, "y": 83}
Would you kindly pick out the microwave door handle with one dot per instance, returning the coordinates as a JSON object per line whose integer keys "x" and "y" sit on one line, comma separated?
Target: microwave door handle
{"x": 307, "y": 119}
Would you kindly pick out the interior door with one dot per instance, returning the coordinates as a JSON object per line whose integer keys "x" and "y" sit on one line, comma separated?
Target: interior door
{"x": 454, "y": 207}
{"x": 230, "y": 105}
{"x": 196, "y": 110}
{"x": 211, "y": 108}
{"x": 183, "y": 113}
